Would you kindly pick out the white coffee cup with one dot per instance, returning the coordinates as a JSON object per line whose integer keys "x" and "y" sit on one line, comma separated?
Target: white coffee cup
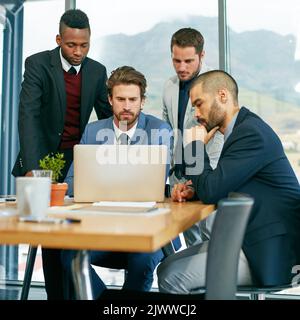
{"x": 33, "y": 196}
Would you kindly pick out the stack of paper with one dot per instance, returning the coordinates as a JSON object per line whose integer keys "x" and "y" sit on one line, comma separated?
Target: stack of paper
{"x": 125, "y": 206}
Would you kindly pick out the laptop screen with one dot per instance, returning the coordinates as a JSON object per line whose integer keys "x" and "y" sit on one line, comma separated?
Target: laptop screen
{"x": 119, "y": 172}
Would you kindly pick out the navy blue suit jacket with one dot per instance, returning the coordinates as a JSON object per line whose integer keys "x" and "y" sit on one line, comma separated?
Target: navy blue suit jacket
{"x": 253, "y": 162}
{"x": 150, "y": 130}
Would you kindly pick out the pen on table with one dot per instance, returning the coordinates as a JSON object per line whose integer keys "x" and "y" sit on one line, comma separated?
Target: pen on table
{"x": 71, "y": 220}
{"x": 50, "y": 220}
{"x": 7, "y": 200}
{"x": 151, "y": 209}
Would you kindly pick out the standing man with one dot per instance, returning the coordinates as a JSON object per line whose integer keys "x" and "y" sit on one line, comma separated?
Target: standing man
{"x": 187, "y": 57}
{"x": 252, "y": 162}
{"x": 126, "y": 89}
{"x": 59, "y": 91}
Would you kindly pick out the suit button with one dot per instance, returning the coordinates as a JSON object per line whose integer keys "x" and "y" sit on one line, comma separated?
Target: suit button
{"x": 59, "y": 134}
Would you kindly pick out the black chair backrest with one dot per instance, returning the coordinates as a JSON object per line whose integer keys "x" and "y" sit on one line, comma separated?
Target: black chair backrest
{"x": 224, "y": 247}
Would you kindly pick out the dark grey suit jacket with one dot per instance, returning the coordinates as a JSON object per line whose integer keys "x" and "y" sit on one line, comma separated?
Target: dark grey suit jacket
{"x": 42, "y": 105}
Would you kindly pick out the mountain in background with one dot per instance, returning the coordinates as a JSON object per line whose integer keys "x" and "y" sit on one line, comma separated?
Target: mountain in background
{"x": 262, "y": 62}
{"x": 149, "y": 52}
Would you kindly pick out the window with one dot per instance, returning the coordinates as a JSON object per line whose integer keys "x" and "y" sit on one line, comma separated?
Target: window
{"x": 264, "y": 49}
{"x": 137, "y": 34}
{"x": 41, "y": 21}
{"x": 1, "y": 58}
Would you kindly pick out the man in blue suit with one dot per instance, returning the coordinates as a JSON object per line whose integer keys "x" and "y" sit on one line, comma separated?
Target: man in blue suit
{"x": 128, "y": 125}
{"x": 252, "y": 162}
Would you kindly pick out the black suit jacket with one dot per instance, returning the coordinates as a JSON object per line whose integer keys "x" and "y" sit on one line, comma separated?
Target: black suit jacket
{"x": 42, "y": 105}
{"x": 253, "y": 162}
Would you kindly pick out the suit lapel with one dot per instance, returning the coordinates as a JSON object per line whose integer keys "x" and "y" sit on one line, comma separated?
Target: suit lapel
{"x": 110, "y": 129}
{"x": 85, "y": 92}
{"x": 189, "y": 118}
{"x": 175, "y": 96}
{"x": 243, "y": 113}
{"x": 60, "y": 82}
{"x": 59, "y": 79}
{"x": 140, "y": 136}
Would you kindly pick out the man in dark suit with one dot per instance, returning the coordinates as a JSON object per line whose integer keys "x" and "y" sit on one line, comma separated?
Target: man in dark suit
{"x": 59, "y": 91}
{"x": 252, "y": 162}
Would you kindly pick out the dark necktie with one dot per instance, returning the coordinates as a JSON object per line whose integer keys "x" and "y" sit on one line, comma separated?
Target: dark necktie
{"x": 72, "y": 70}
{"x": 123, "y": 139}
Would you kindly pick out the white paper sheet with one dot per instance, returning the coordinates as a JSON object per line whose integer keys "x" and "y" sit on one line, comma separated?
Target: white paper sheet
{"x": 146, "y": 205}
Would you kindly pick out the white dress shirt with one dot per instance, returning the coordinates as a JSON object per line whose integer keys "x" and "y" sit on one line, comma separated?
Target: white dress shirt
{"x": 66, "y": 65}
{"x": 118, "y": 132}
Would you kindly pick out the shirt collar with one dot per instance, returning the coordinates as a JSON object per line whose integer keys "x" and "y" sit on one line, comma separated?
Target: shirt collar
{"x": 130, "y": 132}
{"x": 66, "y": 65}
{"x": 230, "y": 127}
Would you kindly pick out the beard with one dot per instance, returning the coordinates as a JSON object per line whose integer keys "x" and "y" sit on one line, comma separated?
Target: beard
{"x": 127, "y": 118}
{"x": 192, "y": 75}
{"x": 216, "y": 116}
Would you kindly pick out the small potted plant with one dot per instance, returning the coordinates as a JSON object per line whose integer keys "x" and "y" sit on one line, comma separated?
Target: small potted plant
{"x": 56, "y": 163}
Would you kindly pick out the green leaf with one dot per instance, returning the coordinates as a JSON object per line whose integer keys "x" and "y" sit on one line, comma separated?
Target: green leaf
{"x": 54, "y": 162}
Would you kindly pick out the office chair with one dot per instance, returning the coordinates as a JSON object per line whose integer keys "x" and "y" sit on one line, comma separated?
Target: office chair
{"x": 224, "y": 248}
{"x": 255, "y": 292}
{"x": 259, "y": 293}
{"x": 222, "y": 259}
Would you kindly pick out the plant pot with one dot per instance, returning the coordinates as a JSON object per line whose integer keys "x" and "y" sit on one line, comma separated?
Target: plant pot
{"x": 58, "y": 191}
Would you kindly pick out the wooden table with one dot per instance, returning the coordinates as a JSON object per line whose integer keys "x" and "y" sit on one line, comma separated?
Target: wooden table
{"x": 138, "y": 232}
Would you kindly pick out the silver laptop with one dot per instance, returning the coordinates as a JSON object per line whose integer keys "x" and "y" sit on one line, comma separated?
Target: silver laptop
{"x": 119, "y": 172}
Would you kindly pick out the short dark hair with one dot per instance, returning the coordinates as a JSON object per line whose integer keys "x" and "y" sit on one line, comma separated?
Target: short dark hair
{"x": 127, "y": 75}
{"x": 74, "y": 18}
{"x": 188, "y": 37}
{"x": 214, "y": 80}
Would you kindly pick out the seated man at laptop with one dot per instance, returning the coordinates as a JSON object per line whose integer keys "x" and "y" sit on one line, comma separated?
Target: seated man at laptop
{"x": 126, "y": 91}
